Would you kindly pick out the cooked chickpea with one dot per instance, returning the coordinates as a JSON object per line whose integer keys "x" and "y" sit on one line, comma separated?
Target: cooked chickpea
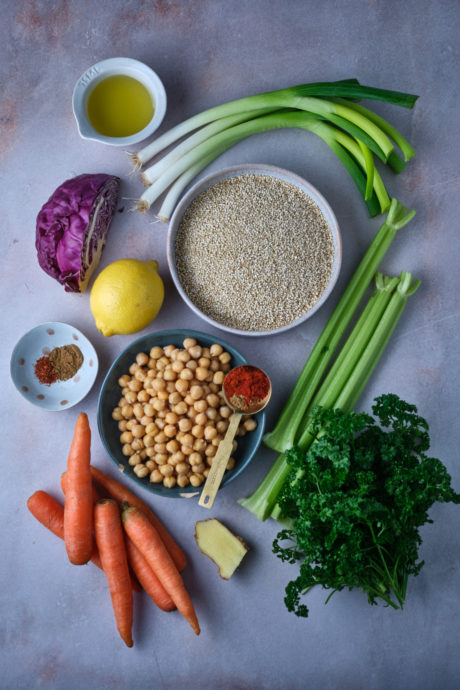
{"x": 213, "y": 400}
{"x": 137, "y": 444}
{"x": 138, "y": 431}
{"x": 250, "y": 424}
{"x": 151, "y": 429}
{"x": 222, "y": 426}
{"x": 183, "y": 356}
{"x": 211, "y": 450}
{"x": 126, "y": 437}
{"x": 127, "y": 449}
{"x": 151, "y": 465}
{"x": 170, "y": 430}
{"x": 168, "y": 350}
{"x": 186, "y": 374}
{"x": 201, "y": 373}
{"x": 127, "y": 411}
{"x": 182, "y": 480}
{"x": 145, "y": 421}
{"x": 184, "y": 424}
{"x": 199, "y": 445}
{"x": 230, "y": 464}
{"x": 159, "y": 405}
{"x": 158, "y": 384}
{"x": 192, "y": 365}
{"x": 142, "y": 359}
{"x": 172, "y": 446}
{"x": 201, "y": 418}
{"x": 149, "y": 440}
{"x": 218, "y": 378}
{"x": 138, "y": 410}
{"x": 174, "y": 398}
{"x": 170, "y": 375}
{"x": 161, "y": 458}
{"x": 116, "y": 414}
{"x": 135, "y": 459}
{"x": 135, "y": 385}
{"x": 162, "y": 395}
{"x": 181, "y": 385}
{"x": 156, "y": 477}
{"x": 161, "y": 437}
{"x": 141, "y": 470}
{"x": 180, "y": 408}
{"x": 177, "y": 458}
{"x": 177, "y": 366}
{"x": 196, "y": 479}
{"x": 166, "y": 470}
{"x": 210, "y": 432}
{"x": 149, "y": 451}
{"x": 216, "y": 350}
{"x": 189, "y": 342}
{"x": 169, "y": 482}
{"x": 156, "y": 352}
{"x": 211, "y": 413}
{"x": 195, "y": 351}
{"x": 225, "y": 411}
{"x": 143, "y": 396}
{"x": 122, "y": 424}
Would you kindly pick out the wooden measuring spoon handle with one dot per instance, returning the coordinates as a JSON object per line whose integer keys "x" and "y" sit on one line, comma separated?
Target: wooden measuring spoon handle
{"x": 219, "y": 463}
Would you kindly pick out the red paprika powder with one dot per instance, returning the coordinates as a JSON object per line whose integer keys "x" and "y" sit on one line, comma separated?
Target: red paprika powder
{"x": 246, "y": 387}
{"x": 44, "y": 370}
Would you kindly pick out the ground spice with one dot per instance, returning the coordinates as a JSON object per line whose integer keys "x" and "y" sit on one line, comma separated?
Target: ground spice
{"x": 246, "y": 387}
{"x": 44, "y": 370}
{"x": 66, "y": 361}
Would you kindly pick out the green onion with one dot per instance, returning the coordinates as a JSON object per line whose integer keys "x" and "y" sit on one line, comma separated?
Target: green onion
{"x": 353, "y": 132}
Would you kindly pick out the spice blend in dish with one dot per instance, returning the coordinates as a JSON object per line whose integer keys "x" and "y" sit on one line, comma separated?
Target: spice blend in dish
{"x": 254, "y": 252}
{"x": 172, "y": 414}
{"x": 61, "y": 364}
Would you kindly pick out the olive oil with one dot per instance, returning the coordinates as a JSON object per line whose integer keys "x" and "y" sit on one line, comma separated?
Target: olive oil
{"x": 119, "y": 106}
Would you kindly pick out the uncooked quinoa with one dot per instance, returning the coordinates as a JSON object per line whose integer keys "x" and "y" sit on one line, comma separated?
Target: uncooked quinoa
{"x": 254, "y": 252}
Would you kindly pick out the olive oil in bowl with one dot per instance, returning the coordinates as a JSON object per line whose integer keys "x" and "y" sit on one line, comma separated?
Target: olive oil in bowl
{"x": 119, "y": 106}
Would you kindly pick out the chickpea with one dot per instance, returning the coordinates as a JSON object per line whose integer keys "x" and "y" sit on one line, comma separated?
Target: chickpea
{"x": 166, "y": 470}
{"x": 201, "y": 418}
{"x": 159, "y": 405}
{"x": 182, "y": 480}
{"x": 149, "y": 440}
{"x": 189, "y": 342}
{"x": 192, "y": 365}
{"x": 151, "y": 465}
{"x": 149, "y": 451}
{"x": 215, "y": 365}
{"x": 183, "y": 356}
{"x": 187, "y": 440}
{"x": 174, "y": 398}
{"x": 196, "y": 479}
{"x": 181, "y": 467}
{"x": 138, "y": 431}
{"x": 225, "y": 358}
{"x": 170, "y": 375}
{"x": 182, "y": 385}
{"x": 211, "y": 413}
{"x": 213, "y": 400}
{"x": 130, "y": 397}
{"x": 186, "y": 450}
{"x": 170, "y": 430}
{"x": 177, "y": 458}
{"x": 137, "y": 444}
{"x": 180, "y": 408}
{"x": 161, "y": 458}
{"x": 186, "y": 374}
{"x": 218, "y": 378}
{"x": 145, "y": 421}
{"x": 122, "y": 425}
{"x": 135, "y": 385}
{"x": 168, "y": 350}
{"x": 250, "y": 424}
{"x": 156, "y": 352}
{"x": 152, "y": 429}
{"x": 161, "y": 437}
{"x": 158, "y": 384}
{"x": 126, "y": 437}
{"x": 156, "y": 477}
{"x": 195, "y": 351}
{"x": 135, "y": 459}
{"x": 199, "y": 469}
{"x": 127, "y": 449}
{"x": 163, "y": 395}
{"x": 169, "y": 482}
{"x": 172, "y": 446}
{"x": 127, "y": 411}
{"x": 177, "y": 366}
{"x": 195, "y": 458}
{"x": 210, "y": 432}
{"x": 197, "y": 431}
{"x": 199, "y": 445}
{"x": 210, "y": 451}
{"x": 204, "y": 362}
{"x": 184, "y": 424}
{"x": 141, "y": 470}
{"x": 189, "y": 400}
{"x": 138, "y": 410}
{"x": 130, "y": 423}
{"x": 142, "y": 359}
{"x": 225, "y": 411}
{"x": 160, "y": 447}
{"x": 124, "y": 380}
{"x": 222, "y": 426}
{"x": 230, "y": 464}
{"x": 143, "y": 396}
{"x": 196, "y": 392}
{"x": 116, "y": 414}
{"x": 216, "y": 350}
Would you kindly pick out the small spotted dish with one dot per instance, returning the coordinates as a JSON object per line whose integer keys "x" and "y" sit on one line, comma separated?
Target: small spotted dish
{"x": 39, "y": 342}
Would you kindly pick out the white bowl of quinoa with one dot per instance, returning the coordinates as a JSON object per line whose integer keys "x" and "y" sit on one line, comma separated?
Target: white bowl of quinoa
{"x": 254, "y": 249}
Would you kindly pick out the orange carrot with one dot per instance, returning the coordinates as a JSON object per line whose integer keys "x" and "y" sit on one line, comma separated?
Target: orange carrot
{"x": 147, "y": 577}
{"x": 111, "y": 544}
{"x": 124, "y": 495}
{"x": 78, "y": 508}
{"x": 148, "y": 541}
{"x": 51, "y": 514}
{"x": 96, "y": 494}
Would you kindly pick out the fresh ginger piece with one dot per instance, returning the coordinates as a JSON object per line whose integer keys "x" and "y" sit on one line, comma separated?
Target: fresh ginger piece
{"x": 220, "y": 545}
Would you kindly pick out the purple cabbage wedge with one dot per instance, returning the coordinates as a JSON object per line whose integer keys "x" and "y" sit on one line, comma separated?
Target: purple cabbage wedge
{"x": 72, "y": 228}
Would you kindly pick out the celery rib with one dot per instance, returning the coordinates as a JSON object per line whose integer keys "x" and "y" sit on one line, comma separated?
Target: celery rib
{"x": 283, "y": 435}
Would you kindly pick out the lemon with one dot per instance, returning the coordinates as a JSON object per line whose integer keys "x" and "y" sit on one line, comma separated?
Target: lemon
{"x": 126, "y": 296}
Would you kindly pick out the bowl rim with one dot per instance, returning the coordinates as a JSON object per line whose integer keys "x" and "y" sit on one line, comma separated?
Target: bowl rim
{"x": 110, "y": 67}
{"x": 282, "y": 174}
{"x": 85, "y": 391}
{"x": 176, "y": 492}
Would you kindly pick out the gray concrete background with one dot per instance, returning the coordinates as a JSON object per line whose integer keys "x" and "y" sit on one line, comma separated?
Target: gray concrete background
{"x": 56, "y": 626}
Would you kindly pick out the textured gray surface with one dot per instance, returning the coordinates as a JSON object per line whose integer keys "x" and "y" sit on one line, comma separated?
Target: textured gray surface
{"x": 56, "y": 627}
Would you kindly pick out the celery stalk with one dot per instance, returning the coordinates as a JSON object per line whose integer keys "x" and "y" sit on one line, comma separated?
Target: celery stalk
{"x": 283, "y": 435}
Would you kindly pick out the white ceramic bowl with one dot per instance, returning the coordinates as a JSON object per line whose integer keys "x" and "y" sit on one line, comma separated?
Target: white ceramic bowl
{"x": 108, "y": 68}
{"x": 281, "y": 174}
{"x": 40, "y": 341}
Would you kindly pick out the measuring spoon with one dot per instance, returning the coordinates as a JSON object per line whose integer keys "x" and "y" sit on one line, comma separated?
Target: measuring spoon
{"x": 224, "y": 449}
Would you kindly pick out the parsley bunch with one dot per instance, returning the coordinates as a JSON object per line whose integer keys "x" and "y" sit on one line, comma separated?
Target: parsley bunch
{"x": 355, "y": 501}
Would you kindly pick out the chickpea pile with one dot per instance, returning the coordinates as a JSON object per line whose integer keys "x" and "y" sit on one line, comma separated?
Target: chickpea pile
{"x": 172, "y": 414}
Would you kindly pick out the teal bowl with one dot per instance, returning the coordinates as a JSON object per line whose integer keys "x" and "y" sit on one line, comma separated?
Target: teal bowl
{"x": 110, "y": 395}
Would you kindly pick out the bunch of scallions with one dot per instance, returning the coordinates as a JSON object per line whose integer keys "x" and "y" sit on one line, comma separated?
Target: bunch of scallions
{"x": 338, "y": 383}
{"x": 329, "y": 109}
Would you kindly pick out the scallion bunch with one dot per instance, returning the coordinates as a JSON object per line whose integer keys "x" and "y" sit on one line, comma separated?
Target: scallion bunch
{"x": 329, "y": 109}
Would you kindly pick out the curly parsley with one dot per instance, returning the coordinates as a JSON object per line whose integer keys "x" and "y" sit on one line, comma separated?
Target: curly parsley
{"x": 355, "y": 501}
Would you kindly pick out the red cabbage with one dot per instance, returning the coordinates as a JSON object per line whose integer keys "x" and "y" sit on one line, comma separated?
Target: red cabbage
{"x": 72, "y": 228}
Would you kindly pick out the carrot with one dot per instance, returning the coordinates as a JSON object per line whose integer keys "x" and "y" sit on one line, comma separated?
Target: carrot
{"x": 148, "y": 541}
{"x": 95, "y": 492}
{"x": 111, "y": 544}
{"x": 147, "y": 577}
{"x": 124, "y": 495}
{"x": 51, "y": 514}
{"x": 78, "y": 508}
